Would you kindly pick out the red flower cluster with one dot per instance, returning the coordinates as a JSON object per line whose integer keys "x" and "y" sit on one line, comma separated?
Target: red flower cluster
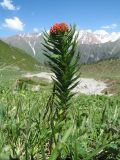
{"x": 59, "y": 27}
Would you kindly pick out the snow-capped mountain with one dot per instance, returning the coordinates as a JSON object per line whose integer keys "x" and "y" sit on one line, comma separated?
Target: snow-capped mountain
{"x": 94, "y": 45}
{"x": 97, "y": 37}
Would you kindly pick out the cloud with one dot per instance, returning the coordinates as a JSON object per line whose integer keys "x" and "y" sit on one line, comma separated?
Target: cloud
{"x": 8, "y": 4}
{"x": 35, "y": 29}
{"x": 111, "y": 26}
{"x": 13, "y": 23}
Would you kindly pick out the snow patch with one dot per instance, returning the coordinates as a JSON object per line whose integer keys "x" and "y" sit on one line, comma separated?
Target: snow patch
{"x": 32, "y": 47}
{"x": 87, "y": 86}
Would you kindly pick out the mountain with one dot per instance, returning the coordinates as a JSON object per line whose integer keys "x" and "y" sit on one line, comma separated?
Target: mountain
{"x": 97, "y": 52}
{"x": 30, "y": 43}
{"x": 97, "y": 37}
{"x": 93, "y": 46}
{"x": 11, "y": 56}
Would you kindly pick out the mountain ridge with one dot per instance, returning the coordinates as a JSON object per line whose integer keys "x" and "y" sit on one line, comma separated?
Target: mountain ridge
{"x": 94, "y": 46}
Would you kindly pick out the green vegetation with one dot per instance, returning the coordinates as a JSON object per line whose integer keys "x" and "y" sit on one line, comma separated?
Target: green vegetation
{"x": 108, "y": 69}
{"x": 14, "y": 63}
{"x": 91, "y": 129}
{"x": 12, "y": 56}
{"x": 95, "y": 122}
{"x": 60, "y": 50}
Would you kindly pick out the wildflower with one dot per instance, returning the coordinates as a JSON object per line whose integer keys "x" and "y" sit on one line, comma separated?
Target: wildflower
{"x": 58, "y": 28}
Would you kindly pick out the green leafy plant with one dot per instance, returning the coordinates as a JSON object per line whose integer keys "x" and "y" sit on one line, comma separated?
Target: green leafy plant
{"x": 60, "y": 49}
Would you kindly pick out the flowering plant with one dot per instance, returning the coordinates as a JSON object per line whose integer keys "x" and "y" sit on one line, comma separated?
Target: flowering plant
{"x": 60, "y": 49}
{"x": 59, "y": 27}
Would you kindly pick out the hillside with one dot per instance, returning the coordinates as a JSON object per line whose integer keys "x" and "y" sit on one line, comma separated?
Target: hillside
{"x": 31, "y": 44}
{"x": 12, "y": 56}
{"x": 96, "y": 52}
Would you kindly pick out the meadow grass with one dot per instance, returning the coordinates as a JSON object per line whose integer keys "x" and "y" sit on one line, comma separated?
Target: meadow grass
{"x": 91, "y": 130}
{"x": 94, "y": 120}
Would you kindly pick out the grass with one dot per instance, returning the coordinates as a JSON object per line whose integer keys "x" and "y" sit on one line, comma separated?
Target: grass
{"x": 108, "y": 69}
{"x": 91, "y": 131}
{"x": 94, "y": 120}
{"x": 11, "y": 56}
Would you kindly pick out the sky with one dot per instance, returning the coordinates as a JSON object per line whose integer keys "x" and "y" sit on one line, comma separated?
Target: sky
{"x": 26, "y": 16}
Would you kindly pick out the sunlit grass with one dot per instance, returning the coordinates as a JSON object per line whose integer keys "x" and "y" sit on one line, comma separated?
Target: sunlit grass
{"x": 95, "y": 122}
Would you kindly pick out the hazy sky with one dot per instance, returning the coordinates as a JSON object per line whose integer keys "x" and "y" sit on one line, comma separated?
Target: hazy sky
{"x": 34, "y": 15}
